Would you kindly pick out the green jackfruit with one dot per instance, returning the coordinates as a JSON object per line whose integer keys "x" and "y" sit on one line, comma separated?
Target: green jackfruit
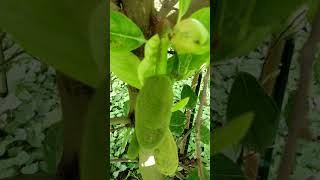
{"x": 153, "y": 111}
{"x": 191, "y": 36}
{"x": 166, "y": 155}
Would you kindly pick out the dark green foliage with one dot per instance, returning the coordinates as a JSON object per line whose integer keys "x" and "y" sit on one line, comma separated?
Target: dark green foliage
{"x": 247, "y": 95}
{"x": 188, "y": 92}
{"x": 225, "y": 169}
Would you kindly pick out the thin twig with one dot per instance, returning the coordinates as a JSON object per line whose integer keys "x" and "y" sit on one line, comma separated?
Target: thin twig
{"x": 180, "y": 175}
{"x": 122, "y": 160}
{"x": 184, "y": 138}
{"x": 300, "y": 109}
{"x": 198, "y": 124}
{"x": 188, "y": 115}
{"x": 185, "y": 167}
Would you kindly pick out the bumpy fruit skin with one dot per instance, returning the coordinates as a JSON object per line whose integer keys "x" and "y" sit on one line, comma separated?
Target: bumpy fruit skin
{"x": 166, "y": 155}
{"x": 153, "y": 111}
{"x": 190, "y": 36}
{"x": 133, "y": 149}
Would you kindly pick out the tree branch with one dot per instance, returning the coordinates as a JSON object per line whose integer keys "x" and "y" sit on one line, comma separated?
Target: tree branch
{"x": 300, "y": 109}
{"x": 120, "y": 120}
{"x": 198, "y": 124}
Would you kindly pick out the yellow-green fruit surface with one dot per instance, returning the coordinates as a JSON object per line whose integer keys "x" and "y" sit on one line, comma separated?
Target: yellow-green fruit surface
{"x": 166, "y": 155}
{"x": 190, "y": 36}
{"x": 133, "y": 149}
{"x": 153, "y": 111}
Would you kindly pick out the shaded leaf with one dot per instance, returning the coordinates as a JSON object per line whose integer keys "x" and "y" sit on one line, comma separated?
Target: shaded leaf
{"x": 67, "y": 35}
{"x": 225, "y": 169}
{"x": 248, "y": 96}
{"x": 92, "y": 162}
{"x": 243, "y": 25}
{"x": 231, "y": 133}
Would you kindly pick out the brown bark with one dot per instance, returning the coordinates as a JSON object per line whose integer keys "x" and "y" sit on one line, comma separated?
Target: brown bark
{"x": 300, "y": 108}
{"x": 75, "y": 98}
{"x": 3, "y": 75}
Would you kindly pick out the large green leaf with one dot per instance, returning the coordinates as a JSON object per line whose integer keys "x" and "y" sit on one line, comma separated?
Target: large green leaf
{"x": 183, "y": 8}
{"x": 225, "y": 169}
{"x": 68, "y": 35}
{"x": 248, "y": 96}
{"x": 203, "y": 15}
{"x": 243, "y": 25}
{"x": 177, "y": 123}
{"x": 125, "y": 66}
{"x": 125, "y": 35}
{"x": 231, "y": 133}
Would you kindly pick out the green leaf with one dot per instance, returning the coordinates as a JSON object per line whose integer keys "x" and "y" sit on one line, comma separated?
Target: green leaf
{"x": 205, "y": 134}
{"x": 125, "y": 66}
{"x": 92, "y": 157}
{"x": 203, "y": 15}
{"x": 226, "y": 169}
{"x": 195, "y": 176}
{"x": 183, "y": 8}
{"x": 181, "y": 104}
{"x": 231, "y": 133}
{"x": 197, "y": 62}
{"x": 177, "y": 122}
{"x": 188, "y": 92}
{"x": 67, "y": 35}
{"x": 248, "y": 96}
{"x": 125, "y": 35}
